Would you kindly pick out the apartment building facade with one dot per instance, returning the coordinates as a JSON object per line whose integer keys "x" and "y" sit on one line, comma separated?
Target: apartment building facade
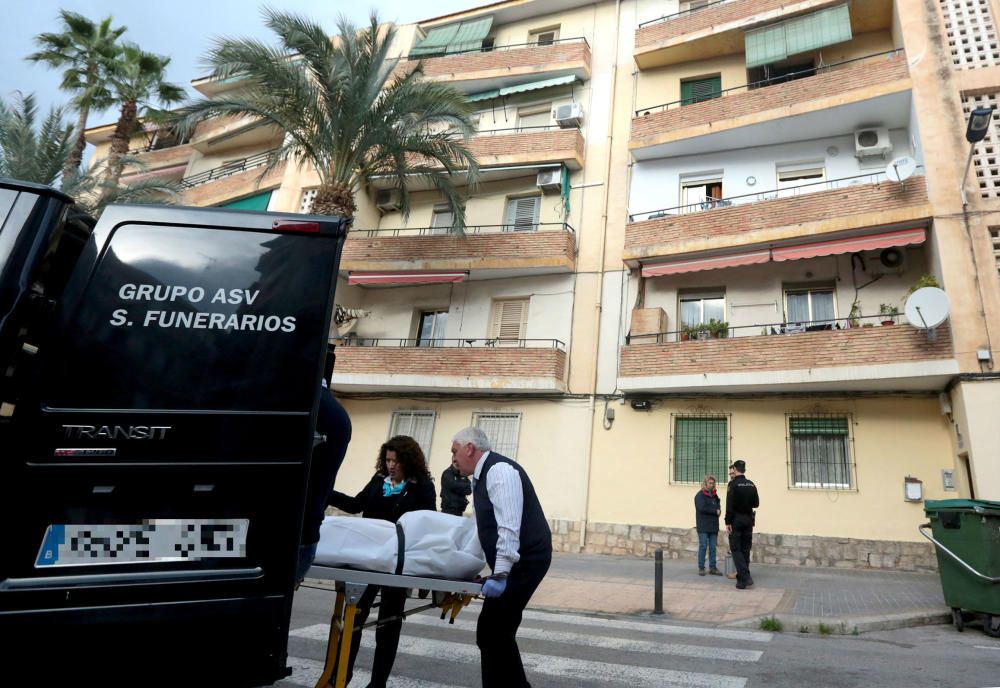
{"x": 688, "y": 245}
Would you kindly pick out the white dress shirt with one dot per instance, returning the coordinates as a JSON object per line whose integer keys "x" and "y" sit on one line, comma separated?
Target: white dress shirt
{"x": 503, "y": 485}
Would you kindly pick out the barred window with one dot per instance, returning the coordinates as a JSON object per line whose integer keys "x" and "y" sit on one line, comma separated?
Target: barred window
{"x": 417, "y": 424}
{"x": 820, "y": 452}
{"x": 700, "y": 447}
{"x": 502, "y": 429}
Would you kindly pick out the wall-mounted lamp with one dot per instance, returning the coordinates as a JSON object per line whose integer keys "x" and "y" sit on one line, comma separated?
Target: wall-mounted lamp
{"x": 913, "y": 489}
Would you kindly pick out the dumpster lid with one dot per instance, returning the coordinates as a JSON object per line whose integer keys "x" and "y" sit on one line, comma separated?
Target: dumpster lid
{"x": 977, "y": 505}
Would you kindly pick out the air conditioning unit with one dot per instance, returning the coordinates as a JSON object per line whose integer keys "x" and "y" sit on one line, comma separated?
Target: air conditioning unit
{"x": 871, "y": 142}
{"x": 387, "y": 200}
{"x": 549, "y": 179}
{"x": 568, "y": 115}
{"x": 892, "y": 258}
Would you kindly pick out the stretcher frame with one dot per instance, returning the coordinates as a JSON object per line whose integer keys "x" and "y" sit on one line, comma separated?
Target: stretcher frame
{"x": 450, "y": 596}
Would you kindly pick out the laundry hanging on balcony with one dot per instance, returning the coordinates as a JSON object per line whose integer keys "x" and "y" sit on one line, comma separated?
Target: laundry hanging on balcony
{"x": 454, "y": 38}
{"x": 803, "y": 34}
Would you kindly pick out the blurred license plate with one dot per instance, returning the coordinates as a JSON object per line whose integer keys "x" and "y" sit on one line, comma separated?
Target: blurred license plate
{"x": 154, "y": 540}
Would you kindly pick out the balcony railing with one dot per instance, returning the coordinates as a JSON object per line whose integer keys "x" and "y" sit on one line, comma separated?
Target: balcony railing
{"x": 231, "y": 168}
{"x": 499, "y": 48}
{"x": 469, "y": 229}
{"x": 760, "y": 196}
{"x": 774, "y": 81}
{"x": 496, "y": 342}
{"x": 682, "y": 13}
{"x": 706, "y": 331}
{"x": 522, "y": 130}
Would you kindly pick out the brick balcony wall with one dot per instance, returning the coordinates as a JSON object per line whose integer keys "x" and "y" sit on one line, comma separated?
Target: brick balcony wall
{"x": 555, "y": 145}
{"x": 878, "y": 345}
{"x": 705, "y": 19}
{"x": 475, "y": 248}
{"x": 165, "y": 157}
{"x": 234, "y": 186}
{"x": 520, "y": 60}
{"x": 479, "y": 362}
{"x": 862, "y": 202}
{"x": 833, "y": 83}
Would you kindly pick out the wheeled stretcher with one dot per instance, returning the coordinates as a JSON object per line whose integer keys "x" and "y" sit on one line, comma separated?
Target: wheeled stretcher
{"x": 450, "y": 596}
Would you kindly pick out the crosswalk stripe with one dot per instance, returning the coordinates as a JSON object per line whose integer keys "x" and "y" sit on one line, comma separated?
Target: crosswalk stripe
{"x": 662, "y": 629}
{"x": 306, "y": 672}
{"x": 549, "y": 665}
{"x": 607, "y": 642}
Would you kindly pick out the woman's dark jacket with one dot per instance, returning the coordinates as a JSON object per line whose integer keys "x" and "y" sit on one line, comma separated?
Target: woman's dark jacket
{"x": 371, "y": 504}
{"x": 706, "y": 510}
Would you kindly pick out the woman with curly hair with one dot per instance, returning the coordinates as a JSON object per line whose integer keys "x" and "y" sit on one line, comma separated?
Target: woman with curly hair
{"x": 401, "y": 484}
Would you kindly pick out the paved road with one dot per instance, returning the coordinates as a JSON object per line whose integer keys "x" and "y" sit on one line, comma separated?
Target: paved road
{"x": 585, "y": 651}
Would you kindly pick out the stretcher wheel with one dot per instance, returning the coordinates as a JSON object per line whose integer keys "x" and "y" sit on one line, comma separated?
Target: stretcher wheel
{"x": 991, "y": 625}
{"x": 956, "y": 618}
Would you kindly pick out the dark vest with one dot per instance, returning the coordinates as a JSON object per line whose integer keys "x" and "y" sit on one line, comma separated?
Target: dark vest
{"x": 535, "y": 536}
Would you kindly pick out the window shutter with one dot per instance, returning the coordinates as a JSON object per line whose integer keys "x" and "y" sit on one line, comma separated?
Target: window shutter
{"x": 817, "y": 426}
{"x": 441, "y": 219}
{"x": 510, "y": 319}
{"x": 522, "y": 213}
{"x": 697, "y": 90}
{"x": 800, "y": 35}
{"x": 417, "y": 424}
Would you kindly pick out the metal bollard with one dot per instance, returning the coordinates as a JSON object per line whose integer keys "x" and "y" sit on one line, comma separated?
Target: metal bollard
{"x": 658, "y": 581}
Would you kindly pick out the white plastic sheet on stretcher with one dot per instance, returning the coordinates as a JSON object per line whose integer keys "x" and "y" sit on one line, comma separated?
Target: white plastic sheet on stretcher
{"x": 433, "y": 544}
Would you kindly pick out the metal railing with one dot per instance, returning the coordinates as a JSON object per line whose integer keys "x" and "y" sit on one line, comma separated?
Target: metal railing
{"x": 230, "y": 168}
{"x": 761, "y": 196}
{"x": 682, "y": 13}
{"x": 525, "y": 130}
{"x": 703, "y": 331}
{"x": 469, "y": 229}
{"x": 497, "y": 48}
{"x": 460, "y": 343}
{"x": 764, "y": 83}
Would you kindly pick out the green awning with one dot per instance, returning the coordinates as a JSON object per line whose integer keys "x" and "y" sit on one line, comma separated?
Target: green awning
{"x": 799, "y": 35}
{"x": 523, "y": 88}
{"x": 485, "y": 95}
{"x": 436, "y": 40}
{"x": 454, "y": 38}
{"x": 817, "y": 426}
{"x": 256, "y": 202}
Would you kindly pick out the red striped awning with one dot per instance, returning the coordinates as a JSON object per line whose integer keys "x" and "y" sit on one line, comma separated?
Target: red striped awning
{"x": 390, "y": 278}
{"x": 869, "y": 242}
{"x": 695, "y": 264}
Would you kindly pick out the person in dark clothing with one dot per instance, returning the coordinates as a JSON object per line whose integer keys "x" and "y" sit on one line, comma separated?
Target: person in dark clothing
{"x": 518, "y": 546}
{"x": 333, "y": 422}
{"x": 401, "y": 484}
{"x": 741, "y": 500}
{"x": 707, "y": 508}
{"x": 455, "y": 491}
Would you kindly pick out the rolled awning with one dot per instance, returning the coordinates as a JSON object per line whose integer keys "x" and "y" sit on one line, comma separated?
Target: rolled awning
{"x": 523, "y": 88}
{"x": 695, "y": 264}
{"x": 869, "y": 242}
{"x": 401, "y": 278}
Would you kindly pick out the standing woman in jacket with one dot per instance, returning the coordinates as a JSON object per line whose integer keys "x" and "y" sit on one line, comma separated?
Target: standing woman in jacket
{"x": 401, "y": 484}
{"x": 707, "y": 508}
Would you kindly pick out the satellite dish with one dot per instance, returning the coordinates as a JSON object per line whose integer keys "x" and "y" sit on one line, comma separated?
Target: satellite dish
{"x": 926, "y": 309}
{"x": 901, "y": 169}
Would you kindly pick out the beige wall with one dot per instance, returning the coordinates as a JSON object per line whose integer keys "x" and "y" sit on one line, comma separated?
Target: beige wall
{"x": 976, "y": 406}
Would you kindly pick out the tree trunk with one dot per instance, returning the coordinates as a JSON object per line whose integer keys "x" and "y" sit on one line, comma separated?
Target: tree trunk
{"x": 335, "y": 199}
{"x": 72, "y": 165}
{"x": 120, "y": 141}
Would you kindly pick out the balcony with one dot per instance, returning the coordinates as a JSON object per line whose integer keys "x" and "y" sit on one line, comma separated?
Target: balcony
{"x": 516, "y": 249}
{"x": 451, "y": 365}
{"x": 780, "y": 216}
{"x": 226, "y": 133}
{"x": 856, "y": 354}
{"x": 483, "y": 69}
{"x": 153, "y": 159}
{"x": 718, "y": 27}
{"x": 870, "y": 88}
{"x": 233, "y": 179}
{"x": 529, "y": 146}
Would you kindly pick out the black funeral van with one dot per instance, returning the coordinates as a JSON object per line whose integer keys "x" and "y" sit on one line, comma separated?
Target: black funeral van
{"x": 159, "y": 382}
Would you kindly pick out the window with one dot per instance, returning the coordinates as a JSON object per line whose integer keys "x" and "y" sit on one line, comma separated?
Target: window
{"x": 308, "y": 197}
{"x": 509, "y": 320}
{"x": 522, "y": 214}
{"x": 431, "y": 329}
{"x": 417, "y": 424}
{"x": 691, "y": 5}
{"x": 697, "y": 90}
{"x": 442, "y": 218}
{"x": 792, "y": 176}
{"x": 810, "y": 305}
{"x": 502, "y": 429}
{"x": 535, "y": 116}
{"x": 820, "y": 455}
{"x": 544, "y": 36}
{"x": 701, "y": 447}
{"x": 701, "y": 192}
{"x": 489, "y": 43}
{"x": 995, "y": 236}
{"x": 696, "y": 309}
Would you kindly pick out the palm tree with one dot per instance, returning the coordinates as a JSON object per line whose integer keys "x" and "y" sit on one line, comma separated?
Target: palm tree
{"x": 84, "y": 51}
{"x": 93, "y": 194}
{"x": 137, "y": 80}
{"x": 27, "y": 154}
{"x": 344, "y": 110}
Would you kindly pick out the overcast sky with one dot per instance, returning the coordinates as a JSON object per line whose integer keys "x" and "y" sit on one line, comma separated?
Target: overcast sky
{"x": 182, "y": 29}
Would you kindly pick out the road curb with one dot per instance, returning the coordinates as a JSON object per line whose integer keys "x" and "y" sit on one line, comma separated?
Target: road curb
{"x": 852, "y": 625}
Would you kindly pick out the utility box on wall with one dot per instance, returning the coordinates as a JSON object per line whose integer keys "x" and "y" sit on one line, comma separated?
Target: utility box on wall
{"x": 649, "y": 322}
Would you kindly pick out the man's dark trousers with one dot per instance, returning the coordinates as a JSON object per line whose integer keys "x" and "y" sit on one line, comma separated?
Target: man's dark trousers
{"x": 498, "y": 623}
{"x": 740, "y": 542}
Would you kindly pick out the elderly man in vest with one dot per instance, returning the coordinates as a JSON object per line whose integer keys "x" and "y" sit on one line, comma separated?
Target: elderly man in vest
{"x": 518, "y": 545}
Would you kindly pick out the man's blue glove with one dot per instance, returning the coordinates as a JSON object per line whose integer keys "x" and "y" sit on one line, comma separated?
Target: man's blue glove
{"x": 494, "y": 587}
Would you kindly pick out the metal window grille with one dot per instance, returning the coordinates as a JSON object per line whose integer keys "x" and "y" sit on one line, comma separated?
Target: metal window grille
{"x": 308, "y": 196}
{"x": 986, "y": 159}
{"x": 502, "y": 429}
{"x": 972, "y": 35}
{"x": 700, "y": 447}
{"x": 820, "y": 452}
{"x": 417, "y": 424}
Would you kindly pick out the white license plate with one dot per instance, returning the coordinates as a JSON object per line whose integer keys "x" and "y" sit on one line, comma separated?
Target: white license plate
{"x": 153, "y": 540}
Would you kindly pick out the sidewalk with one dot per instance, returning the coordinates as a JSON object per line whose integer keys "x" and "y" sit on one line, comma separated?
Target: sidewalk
{"x": 843, "y": 600}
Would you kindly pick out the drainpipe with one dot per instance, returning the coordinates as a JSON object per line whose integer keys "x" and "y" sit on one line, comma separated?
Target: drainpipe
{"x": 598, "y": 306}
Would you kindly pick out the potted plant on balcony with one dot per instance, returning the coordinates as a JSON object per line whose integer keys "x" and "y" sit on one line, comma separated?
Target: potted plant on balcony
{"x": 854, "y": 315}
{"x": 888, "y": 313}
{"x": 718, "y": 329}
{"x": 924, "y": 281}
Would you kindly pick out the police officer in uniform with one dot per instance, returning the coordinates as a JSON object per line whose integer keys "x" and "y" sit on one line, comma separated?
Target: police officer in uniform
{"x": 741, "y": 500}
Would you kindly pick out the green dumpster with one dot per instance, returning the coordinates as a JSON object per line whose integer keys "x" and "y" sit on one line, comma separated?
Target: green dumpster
{"x": 966, "y": 535}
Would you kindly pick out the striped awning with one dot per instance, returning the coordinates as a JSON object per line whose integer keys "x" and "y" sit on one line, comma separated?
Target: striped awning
{"x": 385, "y": 279}
{"x": 524, "y": 88}
{"x": 869, "y": 242}
{"x": 677, "y": 267}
